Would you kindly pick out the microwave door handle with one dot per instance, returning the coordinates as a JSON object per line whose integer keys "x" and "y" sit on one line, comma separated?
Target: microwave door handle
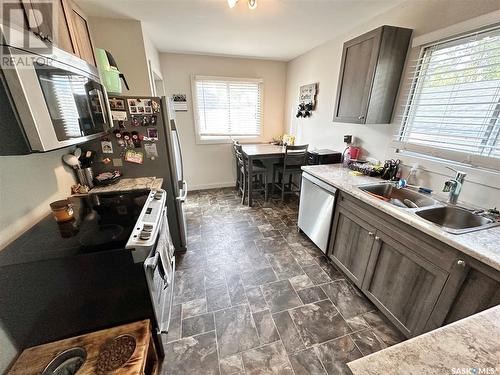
{"x": 102, "y": 103}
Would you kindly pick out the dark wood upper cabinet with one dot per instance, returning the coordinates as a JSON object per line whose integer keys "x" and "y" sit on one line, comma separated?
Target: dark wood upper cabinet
{"x": 370, "y": 73}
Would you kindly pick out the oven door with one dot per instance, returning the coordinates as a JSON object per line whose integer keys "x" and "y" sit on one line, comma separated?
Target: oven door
{"x": 159, "y": 269}
{"x": 60, "y": 100}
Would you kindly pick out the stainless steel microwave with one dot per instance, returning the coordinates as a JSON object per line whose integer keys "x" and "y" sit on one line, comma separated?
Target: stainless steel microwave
{"x": 48, "y": 100}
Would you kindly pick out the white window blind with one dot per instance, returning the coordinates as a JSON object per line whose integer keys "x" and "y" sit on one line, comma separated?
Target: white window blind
{"x": 228, "y": 106}
{"x": 453, "y": 106}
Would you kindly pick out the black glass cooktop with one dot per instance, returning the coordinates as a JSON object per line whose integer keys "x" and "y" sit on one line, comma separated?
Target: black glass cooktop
{"x": 101, "y": 222}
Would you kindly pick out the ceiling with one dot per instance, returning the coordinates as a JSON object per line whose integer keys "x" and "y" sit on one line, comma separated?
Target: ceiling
{"x": 277, "y": 29}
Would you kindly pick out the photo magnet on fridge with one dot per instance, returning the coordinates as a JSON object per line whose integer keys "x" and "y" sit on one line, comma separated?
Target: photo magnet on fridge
{"x": 107, "y": 147}
{"x": 119, "y": 138}
{"x": 115, "y": 103}
{"x": 152, "y": 134}
{"x": 151, "y": 150}
{"x": 136, "y": 139}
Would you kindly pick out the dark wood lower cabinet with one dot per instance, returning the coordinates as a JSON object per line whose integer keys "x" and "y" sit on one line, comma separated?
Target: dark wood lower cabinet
{"x": 418, "y": 282}
{"x": 402, "y": 284}
{"x": 353, "y": 245}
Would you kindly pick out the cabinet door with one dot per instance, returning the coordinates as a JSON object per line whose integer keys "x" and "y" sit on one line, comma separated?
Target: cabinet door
{"x": 352, "y": 245}
{"x": 402, "y": 284}
{"x": 64, "y": 25}
{"x": 359, "y": 59}
{"x": 82, "y": 36}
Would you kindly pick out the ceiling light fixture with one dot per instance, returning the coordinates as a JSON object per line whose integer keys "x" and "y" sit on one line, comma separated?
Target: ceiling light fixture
{"x": 252, "y": 4}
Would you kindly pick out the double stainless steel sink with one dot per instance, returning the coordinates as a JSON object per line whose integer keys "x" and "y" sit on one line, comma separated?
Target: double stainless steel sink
{"x": 451, "y": 219}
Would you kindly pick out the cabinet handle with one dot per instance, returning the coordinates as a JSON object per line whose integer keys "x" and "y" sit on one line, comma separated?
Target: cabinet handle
{"x": 461, "y": 262}
{"x": 371, "y": 234}
{"x": 361, "y": 117}
{"x": 377, "y": 238}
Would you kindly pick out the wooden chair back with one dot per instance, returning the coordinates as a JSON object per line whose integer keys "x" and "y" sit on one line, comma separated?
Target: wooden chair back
{"x": 295, "y": 156}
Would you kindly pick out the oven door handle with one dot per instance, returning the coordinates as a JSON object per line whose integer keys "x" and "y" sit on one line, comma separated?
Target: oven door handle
{"x": 152, "y": 262}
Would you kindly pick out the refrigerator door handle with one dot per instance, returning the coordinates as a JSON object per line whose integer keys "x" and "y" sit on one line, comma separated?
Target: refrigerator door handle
{"x": 185, "y": 192}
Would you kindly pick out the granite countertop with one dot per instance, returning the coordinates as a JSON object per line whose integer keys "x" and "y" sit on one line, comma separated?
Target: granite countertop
{"x": 128, "y": 184}
{"x": 467, "y": 346}
{"x": 481, "y": 245}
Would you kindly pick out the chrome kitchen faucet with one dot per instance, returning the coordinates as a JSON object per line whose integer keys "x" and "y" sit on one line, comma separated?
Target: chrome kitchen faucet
{"x": 454, "y": 186}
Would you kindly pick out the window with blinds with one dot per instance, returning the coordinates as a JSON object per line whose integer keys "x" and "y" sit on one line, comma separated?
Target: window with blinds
{"x": 453, "y": 108}
{"x": 228, "y": 106}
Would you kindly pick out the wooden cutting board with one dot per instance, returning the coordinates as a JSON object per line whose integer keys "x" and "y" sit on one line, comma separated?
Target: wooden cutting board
{"x": 144, "y": 360}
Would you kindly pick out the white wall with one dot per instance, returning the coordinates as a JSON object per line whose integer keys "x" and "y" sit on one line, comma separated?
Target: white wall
{"x": 124, "y": 39}
{"x": 322, "y": 65}
{"x": 212, "y": 165}
{"x": 27, "y": 185}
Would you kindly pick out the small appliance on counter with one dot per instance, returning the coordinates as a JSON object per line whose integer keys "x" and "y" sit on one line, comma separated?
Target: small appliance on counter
{"x": 110, "y": 74}
{"x": 323, "y": 156}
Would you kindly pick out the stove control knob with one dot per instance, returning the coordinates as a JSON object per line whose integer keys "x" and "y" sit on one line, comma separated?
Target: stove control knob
{"x": 147, "y": 228}
{"x": 158, "y": 195}
{"x": 145, "y": 235}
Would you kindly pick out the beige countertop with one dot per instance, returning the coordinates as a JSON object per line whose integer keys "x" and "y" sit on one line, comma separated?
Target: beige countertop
{"x": 128, "y": 184}
{"x": 467, "y": 346}
{"x": 481, "y": 245}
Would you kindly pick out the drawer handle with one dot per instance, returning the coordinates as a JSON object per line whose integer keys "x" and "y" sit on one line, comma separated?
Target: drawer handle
{"x": 371, "y": 234}
{"x": 361, "y": 117}
{"x": 461, "y": 262}
{"x": 377, "y": 238}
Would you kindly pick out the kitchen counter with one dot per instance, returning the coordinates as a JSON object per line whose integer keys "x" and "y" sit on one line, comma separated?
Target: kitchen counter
{"x": 469, "y": 346}
{"x": 481, "y": 245}
{"x": 128, "y": 184}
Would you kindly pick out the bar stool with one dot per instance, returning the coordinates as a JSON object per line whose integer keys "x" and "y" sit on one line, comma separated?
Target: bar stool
{"x": 295, "y": 158}
{"x": 259, "y": 174}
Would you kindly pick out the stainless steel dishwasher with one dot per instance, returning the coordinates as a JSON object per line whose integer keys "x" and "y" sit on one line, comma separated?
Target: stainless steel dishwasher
{"x": 317, "y": 201}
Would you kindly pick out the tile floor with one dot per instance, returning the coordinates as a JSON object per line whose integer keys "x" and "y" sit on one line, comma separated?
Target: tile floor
{"x": 253, "y": 296}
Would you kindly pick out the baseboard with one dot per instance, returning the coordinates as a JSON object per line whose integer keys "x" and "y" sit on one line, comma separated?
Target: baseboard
{"x": 214, "y": 185}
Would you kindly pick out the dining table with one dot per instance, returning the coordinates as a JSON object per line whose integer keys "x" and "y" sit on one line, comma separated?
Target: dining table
{"x": 260, "y": 151}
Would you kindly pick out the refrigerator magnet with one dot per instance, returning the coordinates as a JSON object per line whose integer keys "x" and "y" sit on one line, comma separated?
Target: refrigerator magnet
{"x": 152, "y": 134}
{"x": 151, "y": 150}
{"x": 107, "y": 147}
{"x": 136, "y": 157}
{"x": 136, "y": 139}
{"x": 119, "y": 115}
{"x": 153, "y": 120}
{"x": 146, "y": 121}
{"x": 128, "y": 140}
{"x": 155, "y": 106}
{"x": 136, "y": 121}
{"x": 119, "y": 138}
{"x": 115, "y": 103}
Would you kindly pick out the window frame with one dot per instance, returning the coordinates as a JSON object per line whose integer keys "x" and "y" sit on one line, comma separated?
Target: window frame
{"x": 217, "y": 139}
{"x": 426, "y": 151}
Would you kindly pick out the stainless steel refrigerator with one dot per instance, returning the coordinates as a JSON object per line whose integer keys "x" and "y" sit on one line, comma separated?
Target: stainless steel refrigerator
{"x": 146, "y": 125}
